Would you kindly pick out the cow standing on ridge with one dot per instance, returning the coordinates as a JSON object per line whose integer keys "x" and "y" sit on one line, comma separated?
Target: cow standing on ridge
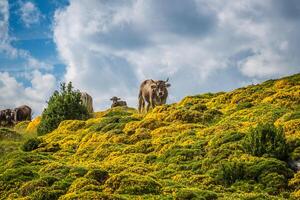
{"x": 155, "y": 93}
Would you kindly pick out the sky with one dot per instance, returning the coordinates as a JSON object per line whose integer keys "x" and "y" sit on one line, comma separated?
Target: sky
{"x": 107, "y": 48}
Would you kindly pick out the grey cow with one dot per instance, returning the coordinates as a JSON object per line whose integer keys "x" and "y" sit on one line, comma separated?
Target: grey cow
{"x": 154, "y": 93}
{"x": 116, "y": 102}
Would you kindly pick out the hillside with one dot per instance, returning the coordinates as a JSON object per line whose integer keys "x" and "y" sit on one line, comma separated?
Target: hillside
{"x": 193, "y": 149}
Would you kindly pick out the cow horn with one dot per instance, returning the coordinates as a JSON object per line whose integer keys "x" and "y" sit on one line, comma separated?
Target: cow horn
{"x": 167, "y": 80}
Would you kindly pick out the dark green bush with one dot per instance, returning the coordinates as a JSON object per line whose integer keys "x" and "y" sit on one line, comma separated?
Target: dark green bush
{"x": 230, "y": 172}
{"x": 244, "y": 105}
{"x": 98, "y": 175}
{"x": 134, "y": 184}
{"x": 78, "y": 171}
{"x": 63, "y": 105}
{"x": 193, "y": 194}
{"x": 268, "y": 140}
{"x": 47, "y": 194}
{"x": 49, "y": 180}
{"x": 18, "y": 175}
{"x": 31, "y": 144}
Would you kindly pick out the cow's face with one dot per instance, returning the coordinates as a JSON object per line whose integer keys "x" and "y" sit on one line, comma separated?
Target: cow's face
{"x": 160, "y": 88}
{"x": 9, "y": 115}
{"x": 115, "y": 99}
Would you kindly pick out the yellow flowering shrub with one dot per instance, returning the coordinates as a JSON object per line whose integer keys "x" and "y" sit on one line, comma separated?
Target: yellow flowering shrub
{"x": 32, "y": 126}
{"x": 193, "y": 149}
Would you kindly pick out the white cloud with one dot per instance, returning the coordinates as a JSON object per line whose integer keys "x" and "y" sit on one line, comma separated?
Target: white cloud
{"x": 30, "y": 14}
{"x": 109, "y": 47}
{"x": 14, "y": 94}
{"x": 5, "y": 46}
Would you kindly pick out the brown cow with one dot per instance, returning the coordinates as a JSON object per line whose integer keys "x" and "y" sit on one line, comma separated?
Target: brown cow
{"x": 154, "y": 93}
{"x": 116, "y": 102}
{"x": 22, "y": 113}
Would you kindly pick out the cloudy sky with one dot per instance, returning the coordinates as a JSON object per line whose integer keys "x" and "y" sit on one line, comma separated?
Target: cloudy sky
{"x": 107, "y": 48}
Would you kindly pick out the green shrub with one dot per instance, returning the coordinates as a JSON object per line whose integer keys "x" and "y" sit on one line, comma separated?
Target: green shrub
{"x": 264, "y": 166}
{"x": 46, "y": 194}
{"x": 83, "y": 184}
{"x": 193, "y": 194}
{"x": 8, "y": 134}
{"x": 63, "y": 184}
{"x": 230, "y": 172}
{"x": 63, "y": 105}
{"x": 98, "y": 175}
{"x": 273, "y": 182}
{"x": 266, "y": 139}
{"x": 90, "y": 195}
{"x": 31, "y": 186}
{"x": 31, "y": 144}
{"x": 244, "y": 105}
{"x": 135, "y": 184}
{"x": 21, "y": 126}
{"x": 49, "y": 180}
{"x": 18, "y": 174}
{"x": 78, "y": 171}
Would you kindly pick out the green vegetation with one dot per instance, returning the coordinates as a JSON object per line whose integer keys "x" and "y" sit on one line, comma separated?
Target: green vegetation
{"x": 63, "y": 105}
{"x": 266, "y": 139}
{"x": 234, "y": 145}
{"x": 31, "y": 144}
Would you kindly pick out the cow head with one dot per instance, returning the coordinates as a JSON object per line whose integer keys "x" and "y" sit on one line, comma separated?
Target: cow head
{"x": 160, "y": 88}
{"x": 8, "y": 115}
{"x": 115, "y": 99}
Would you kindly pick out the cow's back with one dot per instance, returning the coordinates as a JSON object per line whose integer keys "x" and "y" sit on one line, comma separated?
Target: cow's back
{"x": 22, "y": 113}
{"x": 87, "y": 101}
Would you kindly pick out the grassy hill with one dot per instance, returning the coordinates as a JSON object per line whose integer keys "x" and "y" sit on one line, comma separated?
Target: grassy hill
{"x": 194, "y": 149}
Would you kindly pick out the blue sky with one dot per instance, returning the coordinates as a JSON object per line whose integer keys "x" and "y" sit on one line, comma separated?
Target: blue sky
{"x": 34, "y": 37}
{"x": 107, "y": 48}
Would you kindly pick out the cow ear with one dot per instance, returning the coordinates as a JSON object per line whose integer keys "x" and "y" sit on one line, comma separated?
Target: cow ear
{"x": 168, "y": 85}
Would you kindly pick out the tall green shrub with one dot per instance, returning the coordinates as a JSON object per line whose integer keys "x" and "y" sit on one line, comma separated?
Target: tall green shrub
{"x": 266, "y": 139}
{"x": 62, "y": 105}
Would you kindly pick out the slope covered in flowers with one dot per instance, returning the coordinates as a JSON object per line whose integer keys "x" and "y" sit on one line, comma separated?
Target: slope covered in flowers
{"x": 189, "y": 150}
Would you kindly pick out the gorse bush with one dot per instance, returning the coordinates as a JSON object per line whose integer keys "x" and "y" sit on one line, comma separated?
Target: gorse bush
{"x": 266, "y": 139}
{"x": 204, "y": 147}
{"x": 31, "y": 144}
{"x": 231, "y": 172}
{"x": 63, "y": 105}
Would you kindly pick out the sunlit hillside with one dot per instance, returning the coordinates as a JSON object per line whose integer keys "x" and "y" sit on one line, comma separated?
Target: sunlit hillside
{"x": 194, "y": 149}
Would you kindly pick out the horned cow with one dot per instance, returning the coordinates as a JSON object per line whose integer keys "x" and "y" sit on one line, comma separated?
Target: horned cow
{"x": 155, "y": 93}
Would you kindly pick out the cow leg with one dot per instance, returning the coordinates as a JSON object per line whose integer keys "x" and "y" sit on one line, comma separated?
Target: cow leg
{"x": 151, "y": 104}
{"x": 148, "y": 106}
{"x": 141, "y": 104}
